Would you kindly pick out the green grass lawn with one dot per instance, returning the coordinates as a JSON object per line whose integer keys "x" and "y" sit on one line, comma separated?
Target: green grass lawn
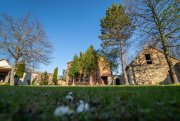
{"x": 153, "y": 103}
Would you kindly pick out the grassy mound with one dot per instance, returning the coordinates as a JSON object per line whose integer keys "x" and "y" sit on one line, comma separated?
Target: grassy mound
{"x": 153, "y": 103}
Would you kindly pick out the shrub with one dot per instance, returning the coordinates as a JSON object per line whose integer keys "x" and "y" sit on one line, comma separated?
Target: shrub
{"x": 55, "y": 76}
{"x": 20, "y": 69}
{"x": 44, "y": 78}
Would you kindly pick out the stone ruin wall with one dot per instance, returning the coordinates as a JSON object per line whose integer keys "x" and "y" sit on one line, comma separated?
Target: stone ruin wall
{"x": 151, "y": 74}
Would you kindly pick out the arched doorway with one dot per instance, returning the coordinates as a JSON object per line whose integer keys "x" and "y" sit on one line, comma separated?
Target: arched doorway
{"x": 105, "y": 79}
{"x": 118, "y": 81}
{"x": 177, "y": 70}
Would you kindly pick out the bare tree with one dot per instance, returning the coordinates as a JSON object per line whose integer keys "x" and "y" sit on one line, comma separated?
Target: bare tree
{"x": 158, "y": 20}
{"x": 24, "y": 38}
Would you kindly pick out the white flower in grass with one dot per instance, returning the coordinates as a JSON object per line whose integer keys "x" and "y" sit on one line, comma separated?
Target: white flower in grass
{"x": 70, "y": 93}
{"x": 63, "y": 110}
{"x": 82, "y": 107}
{"x": 69, "y": 97}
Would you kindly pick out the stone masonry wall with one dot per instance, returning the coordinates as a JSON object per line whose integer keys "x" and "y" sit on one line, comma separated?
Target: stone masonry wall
{"x": 151, "y": 74}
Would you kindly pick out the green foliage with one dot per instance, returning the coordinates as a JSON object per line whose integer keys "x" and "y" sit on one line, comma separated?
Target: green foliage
{"x": 116, "y": 26}
{"x": 20, "y": 69}
{"x": 74, "y": 69}
{"x": 116, "y": 29}
{"x": 82, "y": 62}
{"x": 44, "y": 78}
{"x": 55, "y": 76}
{"x": 91, "y": 60}
{"x": 86, "y": 63}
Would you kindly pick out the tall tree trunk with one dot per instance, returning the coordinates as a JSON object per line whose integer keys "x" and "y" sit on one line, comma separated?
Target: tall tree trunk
{"x": 91, "y": 80}
{"x": 80, "y": 75}
{"x": 84, "y": 77}
{"x": 112, "y": 78}
{"x": 73, "y": 82}
{"x": 172, "y": 73}
{"x": 12, "y": 76}
{"x": 12, "y": 81}
{"x": 123, "y": 63}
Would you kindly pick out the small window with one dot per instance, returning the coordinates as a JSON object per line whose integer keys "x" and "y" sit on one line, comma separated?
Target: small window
{"x": 148, "y": 59}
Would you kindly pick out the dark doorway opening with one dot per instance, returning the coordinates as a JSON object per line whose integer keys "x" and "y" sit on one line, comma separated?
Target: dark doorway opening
{"x": 3, "y": 76}
{"x": 105, "y": 80}
{"x": 118, "y": 81}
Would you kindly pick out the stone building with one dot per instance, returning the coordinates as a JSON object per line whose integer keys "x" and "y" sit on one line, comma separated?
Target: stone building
{"x": 28, "y": 78}
{"x": 102, "y": 76}
{"x": 150, "y": 68}
{"x": 5, "y": 70}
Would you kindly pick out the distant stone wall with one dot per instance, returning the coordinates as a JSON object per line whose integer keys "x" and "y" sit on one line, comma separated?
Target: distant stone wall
{"x": 62, "y": 83}
{"x": 33, "y": 78}
{"x": 36, "y": 78}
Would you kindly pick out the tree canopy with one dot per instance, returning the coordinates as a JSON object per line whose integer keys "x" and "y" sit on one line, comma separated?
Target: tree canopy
{"x": 74, "y": 69}
{"x": 91, "y": 59}
{"x": 116, "y": 29}
{"x": 158, "y": 21}
{"x": 85, "y": 64}
{"x": 24, "y": 38}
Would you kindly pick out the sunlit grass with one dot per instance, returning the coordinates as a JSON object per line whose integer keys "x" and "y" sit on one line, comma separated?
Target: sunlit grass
{"x": 112, "y": 103}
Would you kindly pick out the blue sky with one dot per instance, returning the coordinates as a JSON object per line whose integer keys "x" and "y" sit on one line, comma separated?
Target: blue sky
{"x": 71, "y": 25}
